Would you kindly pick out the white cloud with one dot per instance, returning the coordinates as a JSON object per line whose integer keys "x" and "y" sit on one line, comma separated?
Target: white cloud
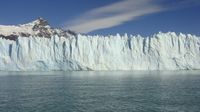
{"x": 116, "y": 14}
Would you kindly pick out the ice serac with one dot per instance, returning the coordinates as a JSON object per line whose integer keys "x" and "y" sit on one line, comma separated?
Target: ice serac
{"x": 62, "y": 50}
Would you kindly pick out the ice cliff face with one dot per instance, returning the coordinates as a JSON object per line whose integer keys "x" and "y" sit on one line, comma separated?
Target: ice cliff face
{"x": 55, "y": 49}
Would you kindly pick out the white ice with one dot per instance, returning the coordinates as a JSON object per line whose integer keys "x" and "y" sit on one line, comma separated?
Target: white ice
{"x": 162, "y": 51}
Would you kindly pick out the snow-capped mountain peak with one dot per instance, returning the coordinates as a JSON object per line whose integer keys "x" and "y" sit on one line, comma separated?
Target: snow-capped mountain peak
{"x": 38, "y": 22}
{"x": 39, "y": 28}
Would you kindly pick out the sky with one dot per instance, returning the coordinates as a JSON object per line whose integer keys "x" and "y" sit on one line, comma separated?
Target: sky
{"x": 105, "y": 17}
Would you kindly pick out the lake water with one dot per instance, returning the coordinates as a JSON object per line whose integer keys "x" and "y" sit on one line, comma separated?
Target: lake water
{"x": 117, "y": 91}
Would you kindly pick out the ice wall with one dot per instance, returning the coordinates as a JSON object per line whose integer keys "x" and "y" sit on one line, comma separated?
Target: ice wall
{"x": 162, "y": 51}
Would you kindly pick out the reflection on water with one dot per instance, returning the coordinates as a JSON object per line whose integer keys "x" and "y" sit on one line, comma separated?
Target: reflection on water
{"x": 116, "y": 91}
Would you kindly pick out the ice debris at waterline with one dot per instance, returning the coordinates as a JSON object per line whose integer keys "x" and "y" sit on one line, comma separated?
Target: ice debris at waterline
{"x": 38, "y": 47}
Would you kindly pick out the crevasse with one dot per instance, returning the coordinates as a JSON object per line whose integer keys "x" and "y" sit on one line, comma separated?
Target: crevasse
{"x": 162, "y": 51}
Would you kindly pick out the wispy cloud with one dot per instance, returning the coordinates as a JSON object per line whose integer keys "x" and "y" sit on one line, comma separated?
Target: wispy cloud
{"x": 118, "y": 13}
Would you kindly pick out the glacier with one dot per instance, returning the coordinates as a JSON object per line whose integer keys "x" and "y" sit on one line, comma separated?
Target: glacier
{"x": 36, "y": 46}
{"x": 162, "y": 51}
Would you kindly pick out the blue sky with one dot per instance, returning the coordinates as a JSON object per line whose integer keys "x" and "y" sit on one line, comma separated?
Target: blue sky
{"x": 104, "y": 17}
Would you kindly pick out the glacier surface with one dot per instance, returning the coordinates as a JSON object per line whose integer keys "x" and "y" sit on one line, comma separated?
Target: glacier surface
{"x": 162, "y": 51}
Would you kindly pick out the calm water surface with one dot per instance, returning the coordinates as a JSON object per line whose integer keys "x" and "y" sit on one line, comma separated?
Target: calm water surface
{"x": 177, "y": 91}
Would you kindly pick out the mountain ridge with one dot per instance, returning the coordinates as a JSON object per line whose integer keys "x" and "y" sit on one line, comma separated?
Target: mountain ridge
{"x": 39, "y": 28}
